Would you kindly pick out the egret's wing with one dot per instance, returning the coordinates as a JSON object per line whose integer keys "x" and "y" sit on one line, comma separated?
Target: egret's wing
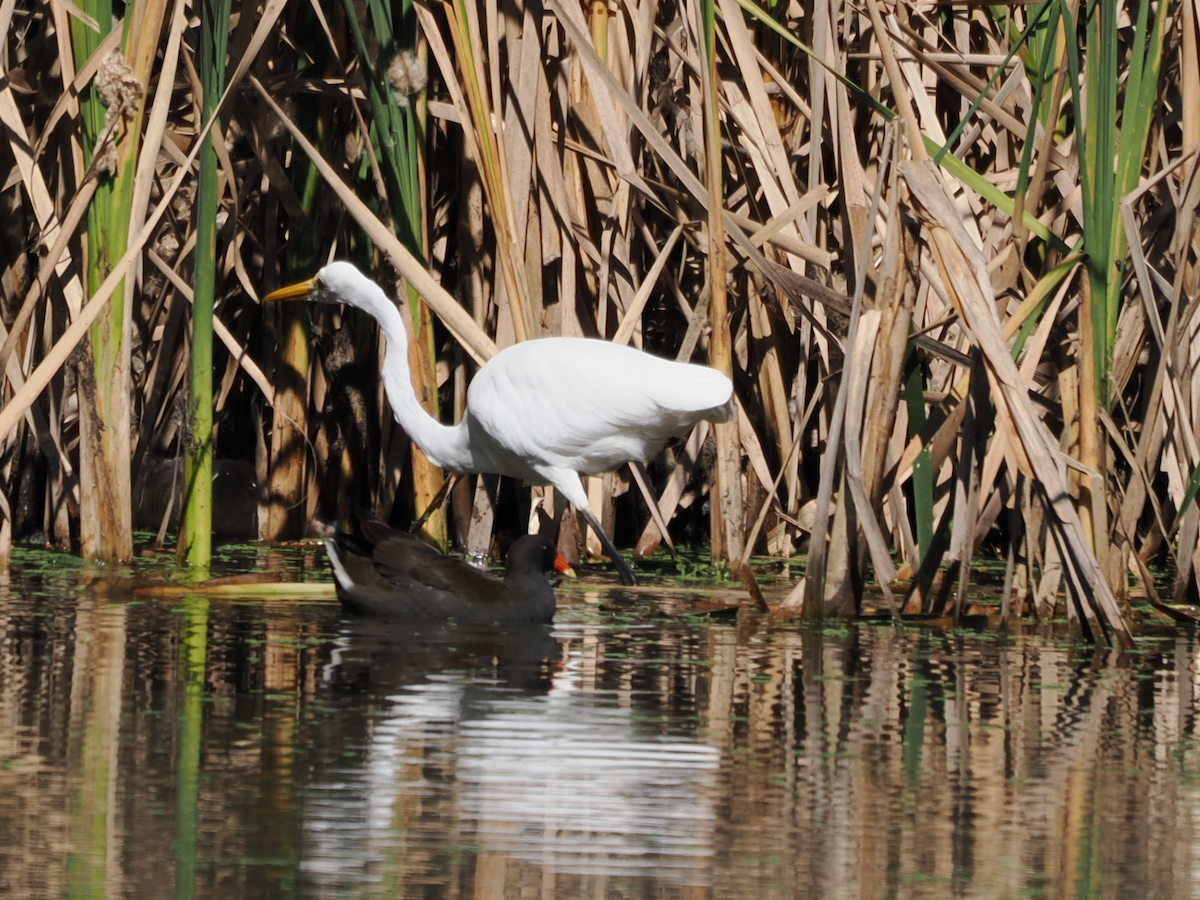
{"x": 563, "y": 400}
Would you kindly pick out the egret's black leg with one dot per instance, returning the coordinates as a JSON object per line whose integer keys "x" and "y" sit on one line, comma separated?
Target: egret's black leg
{"x": 626, "y": 573}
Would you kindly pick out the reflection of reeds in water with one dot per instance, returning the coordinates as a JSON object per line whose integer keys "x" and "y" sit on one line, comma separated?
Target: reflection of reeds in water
{"x": 736, "y": 759}
{"x": 848, "y": 763}
{"x": 1026, "y": 763}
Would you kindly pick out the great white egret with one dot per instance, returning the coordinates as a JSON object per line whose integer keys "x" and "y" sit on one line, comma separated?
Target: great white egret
{"x": 543, "y": 411}
{"x": 392, "y": 573}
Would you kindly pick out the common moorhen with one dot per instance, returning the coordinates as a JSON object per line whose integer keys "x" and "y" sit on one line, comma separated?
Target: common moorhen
{"x": 387, "y": 572}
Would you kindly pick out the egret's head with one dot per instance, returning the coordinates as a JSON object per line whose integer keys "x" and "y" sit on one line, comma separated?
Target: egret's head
{"x": 338, "y": 282}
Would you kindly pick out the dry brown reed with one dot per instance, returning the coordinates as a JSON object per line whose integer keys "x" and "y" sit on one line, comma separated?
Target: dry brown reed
{"x": 878, "y": 218}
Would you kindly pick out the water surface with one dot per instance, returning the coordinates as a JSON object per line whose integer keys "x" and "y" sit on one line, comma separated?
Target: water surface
{"x": 203, "y": 748}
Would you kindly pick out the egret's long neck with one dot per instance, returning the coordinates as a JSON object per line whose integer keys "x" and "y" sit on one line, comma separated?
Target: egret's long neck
{"x": 445, "y": 445}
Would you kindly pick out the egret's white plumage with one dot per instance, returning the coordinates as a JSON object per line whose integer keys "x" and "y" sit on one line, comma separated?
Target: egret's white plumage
{"x": 543, "y": 411}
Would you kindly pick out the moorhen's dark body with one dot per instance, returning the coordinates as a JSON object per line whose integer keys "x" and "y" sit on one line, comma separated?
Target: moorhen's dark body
{"x": 387, "y": 572}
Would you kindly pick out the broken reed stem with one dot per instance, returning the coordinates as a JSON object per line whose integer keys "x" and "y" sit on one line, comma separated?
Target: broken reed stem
{"x": 814, "y": 592}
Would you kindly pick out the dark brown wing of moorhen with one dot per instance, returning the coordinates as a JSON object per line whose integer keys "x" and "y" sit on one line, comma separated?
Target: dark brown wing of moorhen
{"x": 387, "y": 572}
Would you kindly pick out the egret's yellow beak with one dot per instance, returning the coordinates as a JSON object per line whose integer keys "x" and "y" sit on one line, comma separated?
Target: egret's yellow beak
{"x": 297, "y": 291}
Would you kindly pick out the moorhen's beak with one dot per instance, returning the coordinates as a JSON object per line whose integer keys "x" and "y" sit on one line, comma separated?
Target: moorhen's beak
{"x": 563, "y": 567}
{"x": 297, "y": 291}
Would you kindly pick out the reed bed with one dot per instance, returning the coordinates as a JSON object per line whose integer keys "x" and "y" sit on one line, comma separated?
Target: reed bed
{"x": 947, "y": 252}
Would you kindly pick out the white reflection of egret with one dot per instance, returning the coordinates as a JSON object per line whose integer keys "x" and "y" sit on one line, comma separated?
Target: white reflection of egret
{"x": 570, "y": 784}
{"x": 563, "y": 780}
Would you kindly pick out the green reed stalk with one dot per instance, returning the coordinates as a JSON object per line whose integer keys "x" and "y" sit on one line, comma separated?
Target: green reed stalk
{"x": 92, "y": 751}
{"x": 105, "y": 509}
{"x": 1103, "y": 187}
{"x": 398, "y": 135}
{"x": 193, "y": 653}
{"x": 1102, "y": 184}
{"x": 214, "y": 34}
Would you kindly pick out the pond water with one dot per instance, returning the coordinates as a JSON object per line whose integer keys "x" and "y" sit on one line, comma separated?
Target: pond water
{"x": 218, "y": 748}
